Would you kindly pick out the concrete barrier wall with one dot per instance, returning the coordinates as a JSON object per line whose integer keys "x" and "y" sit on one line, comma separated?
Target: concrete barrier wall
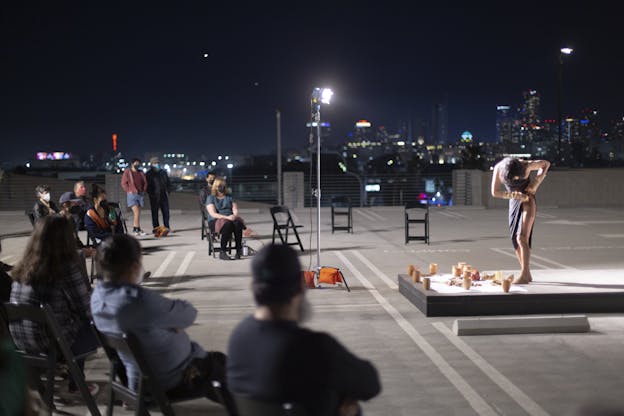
{"x": 562, "y": 188}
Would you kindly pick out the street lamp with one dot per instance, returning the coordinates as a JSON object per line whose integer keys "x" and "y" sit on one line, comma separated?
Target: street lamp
{"x": 230, "y": 166}
{"x": 319, "y": 96}
{"x": 562, "y": 52}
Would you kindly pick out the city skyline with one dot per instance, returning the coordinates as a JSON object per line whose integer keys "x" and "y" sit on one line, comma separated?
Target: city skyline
{"x": 77, "y": 75}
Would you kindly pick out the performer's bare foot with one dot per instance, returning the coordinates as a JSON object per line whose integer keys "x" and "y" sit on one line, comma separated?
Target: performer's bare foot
{"x": 522, "y": 280}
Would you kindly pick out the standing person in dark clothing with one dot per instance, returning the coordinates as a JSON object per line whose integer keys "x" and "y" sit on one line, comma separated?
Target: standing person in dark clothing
{"x": 133, "y": 181}
{"x": 515, "y": 175}
{"x": 158, "y": 186}
{"x": 272, "y": 358}
{"x": 44, "y": 206}
{"x": 205, "y": 191}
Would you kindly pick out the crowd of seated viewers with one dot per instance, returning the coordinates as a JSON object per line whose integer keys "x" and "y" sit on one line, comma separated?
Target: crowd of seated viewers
{"x": 270, "y": 356}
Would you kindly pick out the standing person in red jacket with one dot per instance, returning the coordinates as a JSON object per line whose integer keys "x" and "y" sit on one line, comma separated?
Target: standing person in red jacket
{"x": 133, "y": 181}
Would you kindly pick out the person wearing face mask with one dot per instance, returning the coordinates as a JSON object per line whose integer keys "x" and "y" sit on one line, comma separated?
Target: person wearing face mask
{"x": 120, "y": 305}
{"x": 223, "y": 218}
{"x": 43, "y": 206}
{"x": 206, "y": 190}
{"x": 158, "y": 186}
{"x": 272, "y": 358}
{"x": 134, "y": 182}
{"x": 100, "y": 219}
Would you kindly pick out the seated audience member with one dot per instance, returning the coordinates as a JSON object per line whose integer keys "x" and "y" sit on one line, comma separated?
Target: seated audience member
{"x": 5, "y": 281}
{"x": 223, "y": 218}
{"x": 101, "y": 220}
{"x": 205, "y": 191}
{"x": 50, "y": 273}
{"x": 272, "y": 358}
{"x": 43, "y": 206}
{"x": 79, "y": 195}
{"x": 70, "y": 207}
{"x": 120, "y": 305}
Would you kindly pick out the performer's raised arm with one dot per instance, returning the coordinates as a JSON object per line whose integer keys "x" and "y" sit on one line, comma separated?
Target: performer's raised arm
{"x": 541, "y": 166}
{"x": 498, "y": 190}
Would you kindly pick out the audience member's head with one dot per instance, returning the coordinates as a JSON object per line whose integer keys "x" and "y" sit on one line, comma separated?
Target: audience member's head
{"x": 210, "y": 178}
{"x": 49, "y": 251}
{"x": 135, "y": 163}
{"x": 98, "y": 194}
{"x": 80, "y": 190}
{"x": 219, "y": 187}
{"x": 67, "y": 201}
{"x": 43, "y": 192}
{"x": 276, "y": 276}
{"x": 155, "y": 163}
{"x": 119, "y": 258}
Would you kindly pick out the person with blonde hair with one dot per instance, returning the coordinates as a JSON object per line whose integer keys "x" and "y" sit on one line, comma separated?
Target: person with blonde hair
{"x": 223, "y": 218}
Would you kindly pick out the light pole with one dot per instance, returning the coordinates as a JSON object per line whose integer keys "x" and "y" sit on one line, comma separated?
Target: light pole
{"x": 278, "y": 121}
{"x": 562, "y": 52}
{"x": 319, "y": 96}
{"x": 230, "y": 166}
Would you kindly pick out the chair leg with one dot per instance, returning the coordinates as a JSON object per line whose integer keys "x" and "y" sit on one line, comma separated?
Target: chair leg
{"x": 298, "y": 239}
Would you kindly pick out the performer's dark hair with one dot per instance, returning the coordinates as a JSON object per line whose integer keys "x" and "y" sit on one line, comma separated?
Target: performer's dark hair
{"x": 512, "y": 167}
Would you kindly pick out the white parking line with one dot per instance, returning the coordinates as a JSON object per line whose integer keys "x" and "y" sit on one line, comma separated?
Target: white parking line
{"x": 451, "y": 214}
{"x": 611, "y": 235}
{"x": 563, "y": 266}
{"x": 472, "y": 397}
{"x": 365, "y": 215}
{"x": 6, "y": 258}
{"x": 533, "y": 263}
{"x": 528, "y": 404}
{"x": 185, "y": 263}
{"x": 164, "y": 264}
{"x": 379, "y": 273}
{"x": 374, "y": 214}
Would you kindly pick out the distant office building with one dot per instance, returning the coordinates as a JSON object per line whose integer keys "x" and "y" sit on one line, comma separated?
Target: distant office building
{"x": 589, "y": 126}
{"x": 439, "y": 124}
{"x": 529, "y": 125}
{"x": 504, "y": 124}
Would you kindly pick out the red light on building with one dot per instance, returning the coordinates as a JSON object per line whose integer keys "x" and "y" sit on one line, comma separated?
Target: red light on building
{"x": 114, "y": 142}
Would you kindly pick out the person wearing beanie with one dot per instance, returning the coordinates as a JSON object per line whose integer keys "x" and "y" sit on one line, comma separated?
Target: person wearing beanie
{"x": 272, "y": 358}
{"x": 158, "y": 186}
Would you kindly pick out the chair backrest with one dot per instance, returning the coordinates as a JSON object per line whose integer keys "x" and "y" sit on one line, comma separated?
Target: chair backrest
{"x": 341, "y": 201}
{"x": 416, "y": 205}
{"x": 128, "y": 344}
{"x": 281, "y": 209}
{"x": 248, "y": 406}
{"x": 31, "y": 216}
{"x": 58, "y": 344}
{"x": 119, "y": 214}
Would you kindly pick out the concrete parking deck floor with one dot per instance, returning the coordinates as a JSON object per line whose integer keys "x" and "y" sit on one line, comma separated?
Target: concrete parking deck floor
{"x": 425, "y": 370}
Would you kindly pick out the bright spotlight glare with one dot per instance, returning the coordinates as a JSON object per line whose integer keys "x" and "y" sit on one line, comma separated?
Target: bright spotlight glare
{"x": 230, "y": 165}
{"x": 567, "y": 51}
{"x": 326, "y": 95}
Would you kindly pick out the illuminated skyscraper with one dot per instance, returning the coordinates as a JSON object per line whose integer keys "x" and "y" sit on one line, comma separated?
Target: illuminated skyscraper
{"x": 504, "y": 123}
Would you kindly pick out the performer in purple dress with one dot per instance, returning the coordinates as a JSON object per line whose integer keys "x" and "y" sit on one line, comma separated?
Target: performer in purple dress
{"x": 511, "y": 180}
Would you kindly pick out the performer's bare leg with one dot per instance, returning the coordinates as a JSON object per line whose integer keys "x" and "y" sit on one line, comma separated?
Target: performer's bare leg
{"x": 524, "y": 251}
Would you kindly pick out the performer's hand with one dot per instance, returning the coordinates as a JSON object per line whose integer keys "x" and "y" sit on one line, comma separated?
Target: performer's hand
{"x": 520, "y": 196}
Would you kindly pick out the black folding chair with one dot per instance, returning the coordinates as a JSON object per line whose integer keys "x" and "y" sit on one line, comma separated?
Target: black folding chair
{"x": 282, "y": 224}
{"x": 248, "y": 406}
{"x": 214, "y": 240}
{"x": 119, "y": 214}
{"x": 37, "y": 362}
{"x": 410, "y": 213}
{"x": 204, "y": 224}
{"x": 149, "y": 392}
{"x": 341, "y": 207}
{"x": 31, "y": 216}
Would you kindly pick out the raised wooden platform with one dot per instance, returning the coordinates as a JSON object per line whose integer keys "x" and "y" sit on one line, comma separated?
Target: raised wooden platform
{"x": 552, "y": 291}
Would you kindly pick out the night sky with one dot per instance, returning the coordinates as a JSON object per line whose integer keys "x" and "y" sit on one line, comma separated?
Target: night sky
{"x": 72, "y": 74}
